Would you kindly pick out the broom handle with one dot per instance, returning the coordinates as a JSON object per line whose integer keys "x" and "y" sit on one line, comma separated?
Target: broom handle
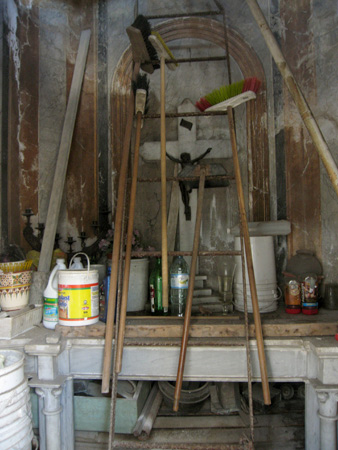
{"x": 301, "y": 104}
{"x": 107, "y": 357}
{"x": 164, "y": 247}
{"x": 248, "y": 254}
{"x": 188, "y": 307}
{"x": 125, "y": 287}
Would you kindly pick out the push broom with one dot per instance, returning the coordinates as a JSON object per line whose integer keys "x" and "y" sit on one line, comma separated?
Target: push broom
{"x": 235, "y": 93}
{"x": 138, "y": 33}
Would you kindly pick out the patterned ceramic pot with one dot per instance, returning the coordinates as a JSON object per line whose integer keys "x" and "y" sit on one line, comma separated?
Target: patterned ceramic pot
{"x": 14, "y": 290}
{"x": 14, "y": 298}
{"x": 16, "y": 279}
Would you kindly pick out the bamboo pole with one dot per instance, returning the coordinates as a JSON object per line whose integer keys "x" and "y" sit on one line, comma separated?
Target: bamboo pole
{"x": 249, "y": 261}
{"x": 297, "y": 95}
{"x": 187, "y": 314}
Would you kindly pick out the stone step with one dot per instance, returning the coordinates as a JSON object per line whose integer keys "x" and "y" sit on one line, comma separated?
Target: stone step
{"x": 199, "y": 281}
{"x": 206, "y": 300}
{"x": 202, "y": 292}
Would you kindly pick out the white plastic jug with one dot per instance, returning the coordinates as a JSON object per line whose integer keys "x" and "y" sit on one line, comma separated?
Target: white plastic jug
{"x": 77, "y": 264}
{"x": 50, "y": 297}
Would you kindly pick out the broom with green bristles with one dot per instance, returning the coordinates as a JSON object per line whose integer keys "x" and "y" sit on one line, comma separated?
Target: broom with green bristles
{"x": 226, "y": 92}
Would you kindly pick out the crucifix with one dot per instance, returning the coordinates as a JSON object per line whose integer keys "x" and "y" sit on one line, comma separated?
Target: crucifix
{"x": 187, "y": 149}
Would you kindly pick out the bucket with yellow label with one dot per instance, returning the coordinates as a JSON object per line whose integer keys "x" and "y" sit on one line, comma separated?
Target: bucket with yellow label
{"x": 78, "y": 297}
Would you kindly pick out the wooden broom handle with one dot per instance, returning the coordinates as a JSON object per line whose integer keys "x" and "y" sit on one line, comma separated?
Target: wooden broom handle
{"x": 107, "y": 356}
{"x": 164, "y": 246}
{"x": 125, "y": 286}
{"x": 297, "y": 95}
{"x": 187, "y": 314}
{"x": 248, "y": 254}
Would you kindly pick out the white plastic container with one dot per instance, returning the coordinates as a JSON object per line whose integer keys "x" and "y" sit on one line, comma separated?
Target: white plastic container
{"x": 77, "y": 264}
{"x": 264, "y": 265}
{"x": 50, "y": 296}
{"x": 138, "y": 284}
{"x": 15, "y": 408}
{"x": 78, "y": 295}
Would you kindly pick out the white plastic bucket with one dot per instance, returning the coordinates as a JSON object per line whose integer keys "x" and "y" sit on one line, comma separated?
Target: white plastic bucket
{"x": 78, "y": 297}
{"x": 263, "y": 257}
{"x": 13, "y": 403}
{"x": 11, "y": 397}
{"x": 138, "y": 284}
{"x": 18, "y": 436}
{"x": 268, "y": 296}
{"x": 15, "y": 412}
{"x": 15, "y": 407}
{"x": 12, "y": 374}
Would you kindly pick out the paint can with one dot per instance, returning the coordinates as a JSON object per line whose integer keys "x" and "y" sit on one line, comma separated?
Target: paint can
{"x": 78, "y": 296}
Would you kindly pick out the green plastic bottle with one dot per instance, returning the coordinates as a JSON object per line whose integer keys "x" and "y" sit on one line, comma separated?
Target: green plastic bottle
{"x": 155, "y": 289}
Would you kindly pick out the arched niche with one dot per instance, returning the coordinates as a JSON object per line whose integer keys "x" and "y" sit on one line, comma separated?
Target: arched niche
{"x": 249, "y": 64}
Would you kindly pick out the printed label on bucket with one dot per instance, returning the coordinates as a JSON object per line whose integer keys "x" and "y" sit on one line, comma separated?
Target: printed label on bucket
{"x": 78, "y": 302}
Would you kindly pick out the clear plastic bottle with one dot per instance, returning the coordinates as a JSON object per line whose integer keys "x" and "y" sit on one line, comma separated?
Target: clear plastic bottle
{"x": 179, "y": 280}
{"x": 50, "y": 297}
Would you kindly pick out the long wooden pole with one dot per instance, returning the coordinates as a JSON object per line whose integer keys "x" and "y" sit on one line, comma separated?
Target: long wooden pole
{"x": 297, "y": 95}
{"x": 126, "y": 273}
{"x": 164, "y": 237}
{"x": 187, "y": 314}
{"x": 107, "y": 357}
{"x": 249, "y": 261}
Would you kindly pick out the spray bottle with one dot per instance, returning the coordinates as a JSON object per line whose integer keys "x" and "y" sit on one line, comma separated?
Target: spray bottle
{"x": 50, "y": 297}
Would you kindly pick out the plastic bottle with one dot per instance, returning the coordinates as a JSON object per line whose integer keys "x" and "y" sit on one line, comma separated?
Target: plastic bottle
{"x": 105, "y": 297}
{"x": 77, "y": 264}
{"x": 155, "y": 289}
{"x": 310, "y": 295}
{"x": 179, "y": 280}
{"x": 50, "y": 297}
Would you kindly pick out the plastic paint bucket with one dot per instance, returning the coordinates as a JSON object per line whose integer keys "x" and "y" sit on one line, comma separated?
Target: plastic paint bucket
{"x": 263, "y": 258}
{"x": 15, "y": 408}
{"x": 78, "y": 296}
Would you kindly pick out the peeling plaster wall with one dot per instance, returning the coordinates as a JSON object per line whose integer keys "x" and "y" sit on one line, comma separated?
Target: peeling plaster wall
{"x": 115, "y": 15}
{"x": 1, "y": 118}
{"x": 325, "y": 29}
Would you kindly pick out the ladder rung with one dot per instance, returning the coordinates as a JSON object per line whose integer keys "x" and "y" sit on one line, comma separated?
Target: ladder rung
{"x": 207, "y": 178}
{"x": 143, "y": 254}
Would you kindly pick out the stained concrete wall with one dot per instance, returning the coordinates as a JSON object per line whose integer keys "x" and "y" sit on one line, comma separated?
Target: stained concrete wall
{"x": 108, "y": 20}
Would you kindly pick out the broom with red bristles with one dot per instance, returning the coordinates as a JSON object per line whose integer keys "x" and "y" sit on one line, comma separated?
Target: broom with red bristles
{"x": 226, "y": 92}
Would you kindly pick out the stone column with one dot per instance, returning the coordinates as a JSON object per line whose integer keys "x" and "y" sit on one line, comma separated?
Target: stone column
{"x": 328, "y": 417}
{"x": 52, "y": 412}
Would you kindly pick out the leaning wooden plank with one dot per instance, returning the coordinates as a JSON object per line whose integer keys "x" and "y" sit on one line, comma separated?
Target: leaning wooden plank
{"x": 63, "y": 156}
{"x": 297, "y": 95}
